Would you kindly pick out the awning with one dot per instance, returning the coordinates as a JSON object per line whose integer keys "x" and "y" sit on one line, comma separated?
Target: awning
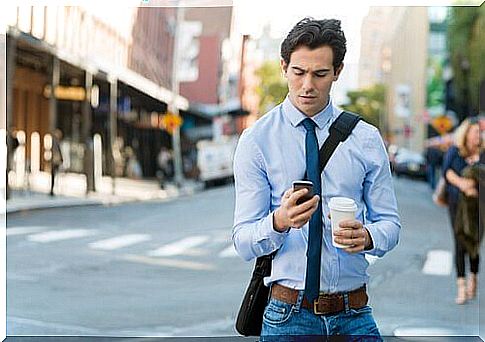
{"x": 122, "y": 74}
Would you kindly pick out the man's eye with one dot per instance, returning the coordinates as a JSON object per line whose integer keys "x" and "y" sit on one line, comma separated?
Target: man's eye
{"x": 299, "y": 73}
{"x": 321, "y": 74}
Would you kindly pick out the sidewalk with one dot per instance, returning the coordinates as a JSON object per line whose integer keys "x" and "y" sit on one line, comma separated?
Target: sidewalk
{"x": 70, "y": 191}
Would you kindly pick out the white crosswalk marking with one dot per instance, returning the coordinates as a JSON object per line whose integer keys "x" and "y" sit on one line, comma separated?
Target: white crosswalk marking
{"x": 228, "y": 252}
{"x": 58, "y": 235}
{"x": 189, "y": 265}
{"x": 438, "y": 262}
{"x": 23, "y": 230}
{"x": 119, "y": 242}
{"x": 179, "y": 247}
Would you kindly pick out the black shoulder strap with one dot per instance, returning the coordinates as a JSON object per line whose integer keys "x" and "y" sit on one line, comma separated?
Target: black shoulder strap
{"x": 340, "y": 129}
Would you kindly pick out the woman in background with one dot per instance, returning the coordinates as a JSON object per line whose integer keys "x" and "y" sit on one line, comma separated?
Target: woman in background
{"x": 464, "y": 153}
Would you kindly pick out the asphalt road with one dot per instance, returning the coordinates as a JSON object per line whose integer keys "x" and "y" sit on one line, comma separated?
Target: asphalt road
{"x": 168, "y": 269}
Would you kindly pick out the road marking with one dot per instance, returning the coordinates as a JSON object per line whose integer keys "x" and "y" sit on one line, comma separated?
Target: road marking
{"x": 189, "y": 265}
{"x": 228, "y": 252}
{"x": 438, "y": 262}
{"x": 179, "y": 247}
{"x": 58, "y": 235}
{"x": 57, "y": 328}
{"x": 23, "y": 230}
{"x": 119, "y": 241}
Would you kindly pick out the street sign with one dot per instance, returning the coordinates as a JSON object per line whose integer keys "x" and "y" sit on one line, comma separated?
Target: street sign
{"x": 171, "y": 121}
{"x": 442, "y": 124}
{"x": 69, "y": 93}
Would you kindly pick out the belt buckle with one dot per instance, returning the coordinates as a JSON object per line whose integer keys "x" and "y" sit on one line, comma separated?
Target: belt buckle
{"x": 315, "y": 307}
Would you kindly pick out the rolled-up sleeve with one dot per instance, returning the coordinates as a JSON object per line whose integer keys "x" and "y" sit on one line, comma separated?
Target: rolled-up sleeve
{"x": 253, "y": 234}
{"x": 382, "y": 218}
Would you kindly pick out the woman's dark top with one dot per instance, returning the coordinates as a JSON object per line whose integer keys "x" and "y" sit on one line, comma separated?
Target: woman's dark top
{"x": 457, "y": 163}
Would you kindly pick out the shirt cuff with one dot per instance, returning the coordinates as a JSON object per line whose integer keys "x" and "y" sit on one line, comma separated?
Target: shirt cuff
{"x": 270, "y": 234}
{"x": 372, "y": 247}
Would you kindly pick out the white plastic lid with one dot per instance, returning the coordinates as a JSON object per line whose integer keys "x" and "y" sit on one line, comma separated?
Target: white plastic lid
{"x": 342, "y": 204}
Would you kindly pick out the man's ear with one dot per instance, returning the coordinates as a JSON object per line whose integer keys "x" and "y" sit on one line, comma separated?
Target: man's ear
{"x": 337, "y": 73}
{"x": 284, "y": 67}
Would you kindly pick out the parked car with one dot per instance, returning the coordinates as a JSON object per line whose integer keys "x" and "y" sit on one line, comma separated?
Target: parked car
{"x": 409, "y": 163}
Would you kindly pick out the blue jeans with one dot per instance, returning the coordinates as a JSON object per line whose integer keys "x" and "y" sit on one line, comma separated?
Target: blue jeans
{"x": 290, "y": 322}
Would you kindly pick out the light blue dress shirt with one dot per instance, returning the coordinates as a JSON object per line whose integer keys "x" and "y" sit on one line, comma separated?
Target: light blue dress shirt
{"x": 271, "y": 155}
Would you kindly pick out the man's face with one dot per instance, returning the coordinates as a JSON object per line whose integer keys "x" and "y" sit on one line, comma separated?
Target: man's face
{"x": 310, "y": 75}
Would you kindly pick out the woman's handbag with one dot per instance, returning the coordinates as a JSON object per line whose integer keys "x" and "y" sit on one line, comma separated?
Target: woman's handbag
{"x": 440, "y": 195}
{"x": 250, "y": 316}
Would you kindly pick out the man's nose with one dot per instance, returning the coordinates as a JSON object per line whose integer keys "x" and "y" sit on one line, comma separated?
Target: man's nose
{"x": 307, "y": 85}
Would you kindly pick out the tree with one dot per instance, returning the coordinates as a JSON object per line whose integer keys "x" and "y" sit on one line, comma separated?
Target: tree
{"x": 369, "y": 103}
{"x": 272, "y": 88}
{"x": 467, "y": 53}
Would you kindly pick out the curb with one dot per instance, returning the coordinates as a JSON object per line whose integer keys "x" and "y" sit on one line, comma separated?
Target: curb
{"x": 73, "y": 202}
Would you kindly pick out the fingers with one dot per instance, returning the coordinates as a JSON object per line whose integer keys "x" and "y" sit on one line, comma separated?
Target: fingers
{"x": 355, "y": 249}
{"x": 351, "y": 242}
{"x": 287, "y": 193}
{"x": 307, "y": 205}
{"x": 350, "y": 224}
{"x": 299, "y": 215}
{"x": 295, "y": 196}
{"x": 300, "y": 219}
{"x": 353, "y": 236}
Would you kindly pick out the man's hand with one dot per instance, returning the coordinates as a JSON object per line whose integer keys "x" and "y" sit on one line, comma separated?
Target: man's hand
{"x": 353, "y": 234}
{"x": 291, "y": 215}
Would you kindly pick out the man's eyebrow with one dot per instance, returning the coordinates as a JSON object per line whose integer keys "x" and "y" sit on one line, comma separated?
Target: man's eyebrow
{"x": 301, "y": 69}
{"x": 322, "y": 70}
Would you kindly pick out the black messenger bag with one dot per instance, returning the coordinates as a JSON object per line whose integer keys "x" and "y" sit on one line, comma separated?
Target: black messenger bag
{"x": 250, "y": 316}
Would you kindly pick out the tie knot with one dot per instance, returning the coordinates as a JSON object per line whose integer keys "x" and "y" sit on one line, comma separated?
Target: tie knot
{"x": 309, "y": 125}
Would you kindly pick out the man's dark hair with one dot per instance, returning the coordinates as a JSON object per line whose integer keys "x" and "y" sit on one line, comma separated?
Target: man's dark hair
{"x": 314, "y": 34}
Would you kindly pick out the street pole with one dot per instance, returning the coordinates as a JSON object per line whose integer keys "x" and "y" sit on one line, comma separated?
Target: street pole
{"x": 55, "y": 78}
{"x": 113, "y": 128}
{"x": 465, "y": 66}
{"x": 11, "y": 44}
{"x": 88, "y": 143}
{"x": 177, "y": 151}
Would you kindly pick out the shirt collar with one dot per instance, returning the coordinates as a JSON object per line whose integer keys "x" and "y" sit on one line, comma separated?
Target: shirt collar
{"x": 296, "y": 117}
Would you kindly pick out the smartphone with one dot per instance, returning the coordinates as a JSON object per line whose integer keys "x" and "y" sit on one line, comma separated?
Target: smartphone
{"x": 301, "y": 184}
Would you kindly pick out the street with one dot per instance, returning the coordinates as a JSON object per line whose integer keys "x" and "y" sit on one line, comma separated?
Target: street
{"x": 168, "y": 269}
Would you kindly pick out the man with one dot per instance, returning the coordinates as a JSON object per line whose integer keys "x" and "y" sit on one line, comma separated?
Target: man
{"x": 271, "y": 155}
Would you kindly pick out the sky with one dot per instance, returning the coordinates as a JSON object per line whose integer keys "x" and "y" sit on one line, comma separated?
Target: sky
{"x": 250, "y": 18}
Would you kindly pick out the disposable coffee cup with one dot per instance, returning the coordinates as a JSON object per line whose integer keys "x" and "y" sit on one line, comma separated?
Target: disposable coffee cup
{"x": 341, "y": 209}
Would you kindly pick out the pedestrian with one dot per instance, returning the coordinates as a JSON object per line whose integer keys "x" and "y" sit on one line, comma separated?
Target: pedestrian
{"x": 468, "y": 226}
{"x": 56, "y": 157}
{"x": 434, "y": 160}
{"x": 271, "y": 155}
{"x": 133, "y": 167}
{"x": 165, "y": 166}
{"x": 465, "y": 152}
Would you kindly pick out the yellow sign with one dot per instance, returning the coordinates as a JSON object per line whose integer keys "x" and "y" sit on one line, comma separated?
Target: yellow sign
{"x": 66, "y": 93}
{"x": 442, "y": 124}
{"x": 171, "y": 121}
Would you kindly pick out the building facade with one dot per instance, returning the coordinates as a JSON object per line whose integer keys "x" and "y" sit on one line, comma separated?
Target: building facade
{"x": 73, "y": 69}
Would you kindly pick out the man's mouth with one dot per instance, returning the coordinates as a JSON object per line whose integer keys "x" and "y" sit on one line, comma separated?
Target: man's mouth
{"x": 307, "y": 96}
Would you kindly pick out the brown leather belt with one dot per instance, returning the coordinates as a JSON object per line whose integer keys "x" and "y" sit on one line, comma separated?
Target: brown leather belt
{"x": 325, "y": 304}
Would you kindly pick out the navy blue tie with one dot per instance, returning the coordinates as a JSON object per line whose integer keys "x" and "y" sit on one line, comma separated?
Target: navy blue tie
{"x": 312, "y": 280}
